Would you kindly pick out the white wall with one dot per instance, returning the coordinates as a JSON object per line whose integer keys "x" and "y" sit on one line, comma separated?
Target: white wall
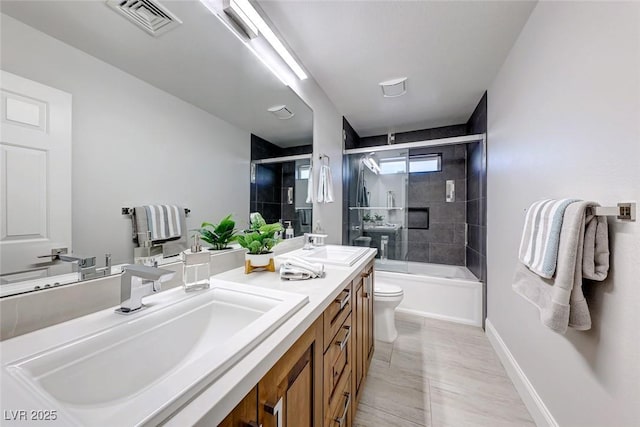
{"x": 327, "y": 139}
{"x": 132, "y": 144}
{"x": 564, "y": 121}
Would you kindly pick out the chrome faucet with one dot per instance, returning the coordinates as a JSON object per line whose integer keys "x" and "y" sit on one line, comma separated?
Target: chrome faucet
{"x": 138, "y": 281}
{"x": 85, "y": 266}
{"x": 311, "y": 240}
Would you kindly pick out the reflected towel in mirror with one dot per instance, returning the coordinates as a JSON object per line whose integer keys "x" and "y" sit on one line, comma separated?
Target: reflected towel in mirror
{"x": 325, "y": 185}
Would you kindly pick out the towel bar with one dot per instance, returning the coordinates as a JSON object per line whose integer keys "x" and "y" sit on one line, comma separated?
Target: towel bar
{"x": 129, "y": 211}
{"x": 324, "y": 156}
{"x": 623, "y": 211}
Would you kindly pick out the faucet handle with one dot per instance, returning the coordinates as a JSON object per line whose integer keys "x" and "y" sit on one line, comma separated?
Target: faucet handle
{"x": 87, "y": 262}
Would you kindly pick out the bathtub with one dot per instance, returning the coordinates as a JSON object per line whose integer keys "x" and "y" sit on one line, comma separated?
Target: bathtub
{"x": 434, "y": 290}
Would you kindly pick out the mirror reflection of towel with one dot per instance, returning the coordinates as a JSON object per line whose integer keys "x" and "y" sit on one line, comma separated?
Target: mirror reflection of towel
{"x": 305, "y": 216}
{"x": 325, "y": 185}
{"x": 170, "y": 246}
{"x": 310, "y": 186}
{"x": 163, "y": 221}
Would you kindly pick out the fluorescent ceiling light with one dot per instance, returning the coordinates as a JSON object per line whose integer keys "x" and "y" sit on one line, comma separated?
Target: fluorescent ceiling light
{"x": 394, "y": 87}
{"x": 251, "y": 18}
{"x": 241, "y": 19}
{"x": 371, "y": 164}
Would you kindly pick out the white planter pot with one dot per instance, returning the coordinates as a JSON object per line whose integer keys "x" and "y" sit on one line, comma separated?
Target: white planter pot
{"x": 259, "y": 260}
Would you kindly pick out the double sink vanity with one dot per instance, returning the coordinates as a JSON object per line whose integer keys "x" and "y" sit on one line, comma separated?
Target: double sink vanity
{"x": 251, "y": 350}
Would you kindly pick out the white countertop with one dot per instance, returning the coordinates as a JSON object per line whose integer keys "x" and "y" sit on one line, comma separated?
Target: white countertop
{"x": 223, "y": 395}
{"x": 219, "y": 398}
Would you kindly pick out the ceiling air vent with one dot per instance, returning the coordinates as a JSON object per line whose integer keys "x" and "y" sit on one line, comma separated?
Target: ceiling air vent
{"x": 149, "y": 15}
{"x": 281, "y": 111}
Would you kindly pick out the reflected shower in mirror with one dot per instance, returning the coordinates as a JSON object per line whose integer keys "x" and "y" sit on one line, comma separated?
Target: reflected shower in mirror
{"x": 280, "y": 182}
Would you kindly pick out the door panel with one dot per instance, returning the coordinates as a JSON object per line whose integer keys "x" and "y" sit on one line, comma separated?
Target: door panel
{"x": 35, "y": 172}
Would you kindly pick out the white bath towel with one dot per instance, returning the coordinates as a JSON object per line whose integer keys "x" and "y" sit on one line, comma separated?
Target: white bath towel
{"x": 541, "y": 236}
{"x": 315, "y": 269}
{"x": 325, "y": 185}
{"x": 310, "y": 186}
{"x": 583, "y": 252}
{"x": 290, "y": 273}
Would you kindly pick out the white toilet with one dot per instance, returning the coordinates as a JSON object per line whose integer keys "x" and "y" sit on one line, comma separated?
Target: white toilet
{"x": 386, "y": 299}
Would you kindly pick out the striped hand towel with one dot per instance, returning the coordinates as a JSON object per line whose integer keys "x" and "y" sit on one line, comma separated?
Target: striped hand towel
{"x": 541, "y": 236}
{"x": 163, "y": 221}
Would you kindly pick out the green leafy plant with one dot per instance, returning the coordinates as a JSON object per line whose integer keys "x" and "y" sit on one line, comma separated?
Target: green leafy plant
{"x": 378, "y": 217}
{"x": 219, "y": 235}
{"x": 261, "y": 237}
{"x": 367, "y": 218}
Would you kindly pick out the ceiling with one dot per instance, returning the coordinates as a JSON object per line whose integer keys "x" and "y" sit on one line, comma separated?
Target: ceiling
{"x": 449, "y": 50}
{"x": 200, "y": 61}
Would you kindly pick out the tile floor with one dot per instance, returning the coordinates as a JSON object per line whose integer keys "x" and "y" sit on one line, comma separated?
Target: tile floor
{"x": 438, "y": 374}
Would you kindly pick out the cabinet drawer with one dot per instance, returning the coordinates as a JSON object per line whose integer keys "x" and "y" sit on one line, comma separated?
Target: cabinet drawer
{"x": 337, "y": 362}
{"x": 336, "y": 313}
{"x": 342, "y": 411}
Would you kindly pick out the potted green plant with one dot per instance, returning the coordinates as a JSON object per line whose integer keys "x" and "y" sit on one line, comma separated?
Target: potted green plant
{"x": 219, "y": 235}
{"x": 259, "y": 241}
{"x": 378, "y": 219}
{"x": 367, "y": 218}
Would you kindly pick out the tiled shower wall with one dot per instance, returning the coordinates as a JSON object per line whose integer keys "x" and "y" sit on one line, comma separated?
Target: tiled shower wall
{"x": 266, "y": 193}
{"x": 477, "y": 195}
{"x": 444, "y": 241}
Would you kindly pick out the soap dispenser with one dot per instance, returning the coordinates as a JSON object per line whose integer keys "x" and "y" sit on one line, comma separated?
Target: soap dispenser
{"x": 195, "y": 273}
{"x": 289, "y": 231}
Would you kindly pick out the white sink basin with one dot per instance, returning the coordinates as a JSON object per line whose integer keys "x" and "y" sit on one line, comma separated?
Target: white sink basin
{"x": 141, "y": 367}
{"x": 333, "y": 254}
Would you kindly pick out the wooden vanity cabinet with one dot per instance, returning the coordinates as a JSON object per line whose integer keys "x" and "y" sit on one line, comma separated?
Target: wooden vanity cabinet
{"x": 245, "y": 414}
{"x": 290, "y": 394}
{"x": 338, "y": 360}
{"x": 363, "y": 323}
{"x": 319, "y": 380}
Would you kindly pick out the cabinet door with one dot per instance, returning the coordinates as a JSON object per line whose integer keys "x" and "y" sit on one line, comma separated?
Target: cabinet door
{"x": 369, "y": 315}
{"x": 359, "y": 334}
{"x": 290, "y": 394}
{"x": 245, "y": 414}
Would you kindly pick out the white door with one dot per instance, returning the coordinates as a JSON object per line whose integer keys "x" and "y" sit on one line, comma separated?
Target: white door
{"x": 35, "y": 175}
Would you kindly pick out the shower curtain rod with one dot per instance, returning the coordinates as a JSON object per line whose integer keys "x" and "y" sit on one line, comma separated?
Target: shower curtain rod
{"x": 418, "y": 144}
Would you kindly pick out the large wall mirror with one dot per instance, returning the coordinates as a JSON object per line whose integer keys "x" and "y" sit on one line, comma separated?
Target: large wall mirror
{"x": 163, "y": 115}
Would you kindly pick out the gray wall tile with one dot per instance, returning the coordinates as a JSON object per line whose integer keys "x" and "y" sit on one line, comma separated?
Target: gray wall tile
{"x": 446, "y": 254}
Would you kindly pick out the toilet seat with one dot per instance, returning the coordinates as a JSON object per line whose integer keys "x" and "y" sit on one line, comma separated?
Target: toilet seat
{"x": 385, "y": 290}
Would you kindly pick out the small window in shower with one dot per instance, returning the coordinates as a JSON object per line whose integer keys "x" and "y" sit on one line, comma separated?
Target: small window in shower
{"x": 303, "y": 172}
{"x": 426, "y": 163}
{"x": 393, "y": 165}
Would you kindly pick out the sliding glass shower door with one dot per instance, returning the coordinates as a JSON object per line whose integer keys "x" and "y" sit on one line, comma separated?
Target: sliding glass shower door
{"x": 377, "y": 205}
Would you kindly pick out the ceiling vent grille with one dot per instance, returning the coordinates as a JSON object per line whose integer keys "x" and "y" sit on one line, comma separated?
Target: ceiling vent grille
{"x": 149, "y": 15}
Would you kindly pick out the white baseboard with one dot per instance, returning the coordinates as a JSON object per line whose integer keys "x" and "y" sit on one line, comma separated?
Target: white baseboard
{"x": 438, "y": 316}
{"x": 534, "y": 403}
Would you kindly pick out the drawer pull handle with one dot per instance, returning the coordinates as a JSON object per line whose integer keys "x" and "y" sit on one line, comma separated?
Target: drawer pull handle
{"x": 251, "y": 424}
{"x": 343, "y": 302}
{"x": 343, "y": 342}
{"x": 347, "y": 403}
{"x": 276, "y": 411}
